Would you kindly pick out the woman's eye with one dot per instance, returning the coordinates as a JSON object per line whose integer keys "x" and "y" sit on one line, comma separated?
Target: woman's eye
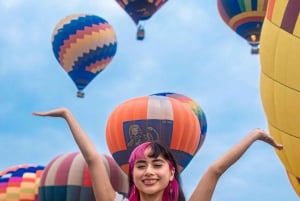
{"x": 140, "y": 166}
{"x": 157, "y": 165}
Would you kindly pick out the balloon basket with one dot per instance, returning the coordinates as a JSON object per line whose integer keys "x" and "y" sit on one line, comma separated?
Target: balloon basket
{"x": 254, "y": 50}
{"x": 140, "y": 35}
{"x": 80, "y": 94}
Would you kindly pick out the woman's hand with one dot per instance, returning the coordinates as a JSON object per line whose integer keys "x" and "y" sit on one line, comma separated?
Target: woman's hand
{"x": 59, "y": 112}
{"x": 264, "y": 136}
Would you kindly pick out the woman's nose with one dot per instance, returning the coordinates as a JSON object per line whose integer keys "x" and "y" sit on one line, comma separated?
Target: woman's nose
{"x": 149, "y": 170}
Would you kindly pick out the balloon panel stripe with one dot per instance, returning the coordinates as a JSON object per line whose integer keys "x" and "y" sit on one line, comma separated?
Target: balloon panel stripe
{"x": 83, "y": 41}
{"x": 115, "y": 177}
{"x": 253, "y": 5}
{"x": 46, "y": 170}
{"x": 184, "y": 138}
{"x": 159, "y": 107}
{"x": 54, "y": 166}
{"x": 64, "y": 166}
{"x": 270, "y": 9}
{"x": 245, "y": 5}
{"x": 262, "y": 5}
{"x": 91, "y": 57}
{"x": 98, "y": 66}
{"x": 276, "y": 11}
{"x": 86, "y": 176}
{"x": 246, "y": 17}
{"x": 76, "y": 166}
{"x": 231, "y": 9}
{"x": 291, "y": 16}
{"x": 222, "y": 11}
{"x": 78, "y": 23}
{"x": 249, "y": 20}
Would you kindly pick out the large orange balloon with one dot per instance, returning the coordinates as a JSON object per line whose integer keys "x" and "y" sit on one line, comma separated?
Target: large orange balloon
{"x": 150, "y": 118}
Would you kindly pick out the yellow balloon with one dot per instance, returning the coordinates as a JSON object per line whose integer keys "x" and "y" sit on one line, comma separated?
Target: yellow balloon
{"x": 280, "y": 81}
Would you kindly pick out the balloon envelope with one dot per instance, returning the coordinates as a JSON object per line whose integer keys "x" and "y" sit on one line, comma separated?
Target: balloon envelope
{"x": 245, "y": 18}
{"x": 195, "y": 108}
{"x": 67, "y": 178}
{"x": 151, "y": 118}
{"x": 140, "y": 10}
{"x": 280, "y": 83}
{"x": 20, "y": 183}
{"x": 84, "y": 45}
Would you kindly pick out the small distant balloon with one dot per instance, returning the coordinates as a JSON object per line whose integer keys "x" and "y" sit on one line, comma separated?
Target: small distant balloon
{"x": 84, "y": 45}
{"x": 67, "y": 178}
{"x": 245, "y": 18}
{"x": 141, "y": 10}
{"x": 20, "y": 183}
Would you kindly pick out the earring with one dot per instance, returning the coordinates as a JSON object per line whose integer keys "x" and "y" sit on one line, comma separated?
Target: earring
{"x": 134, "y": 189}
{"x": 171, "y": 191}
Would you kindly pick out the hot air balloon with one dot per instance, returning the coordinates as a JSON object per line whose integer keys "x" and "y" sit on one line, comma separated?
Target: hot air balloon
{"x": 195, "y": 108}
{"x": 245, "y": 18}
{"x": 66, "y": 178}
{"x": 140, "y": 10}
{"x": 153, "y": 118}
{"x": 20, "y": 183}
{"x": 83, "y": 45}
{"x": 280, "y": 83}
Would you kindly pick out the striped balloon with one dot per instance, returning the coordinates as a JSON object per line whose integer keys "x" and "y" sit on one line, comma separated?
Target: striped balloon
{"x": 151, "y": 118}
{"x": 195, "y": 108}
{"x": 280, "y": 83}
{"x": 20, "y": 183}
{"x": 83, "y": 45}
{"x": 67, "y": 178}
{"x": 245, "y": 18}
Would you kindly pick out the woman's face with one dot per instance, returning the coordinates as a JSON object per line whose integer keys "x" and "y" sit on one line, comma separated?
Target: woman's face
{"x": 152, "y": 175}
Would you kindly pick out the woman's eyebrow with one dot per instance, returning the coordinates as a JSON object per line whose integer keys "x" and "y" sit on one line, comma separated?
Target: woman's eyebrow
{"x": 158, "y": 160}
{"x": 140, "y": 161}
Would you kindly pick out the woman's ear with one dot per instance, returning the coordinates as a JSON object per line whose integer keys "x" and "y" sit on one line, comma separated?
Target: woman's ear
{"x": 172, "y": 174}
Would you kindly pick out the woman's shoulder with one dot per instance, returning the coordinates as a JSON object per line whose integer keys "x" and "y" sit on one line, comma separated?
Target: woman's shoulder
{"x": 120, "y": 197}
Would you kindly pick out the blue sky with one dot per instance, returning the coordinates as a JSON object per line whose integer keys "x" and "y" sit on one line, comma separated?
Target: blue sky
{"x": 187, "y": 49}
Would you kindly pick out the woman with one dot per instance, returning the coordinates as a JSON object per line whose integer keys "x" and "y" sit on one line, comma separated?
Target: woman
{"x": 153, "y": 174}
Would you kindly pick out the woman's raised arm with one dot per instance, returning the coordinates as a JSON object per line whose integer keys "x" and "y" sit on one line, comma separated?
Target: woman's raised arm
{"x": 206, "y": 186}
{"x": 102, "y": 187}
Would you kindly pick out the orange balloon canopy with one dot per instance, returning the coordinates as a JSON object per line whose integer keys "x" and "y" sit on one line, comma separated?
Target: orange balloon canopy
{"x": 151, "y": 118}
